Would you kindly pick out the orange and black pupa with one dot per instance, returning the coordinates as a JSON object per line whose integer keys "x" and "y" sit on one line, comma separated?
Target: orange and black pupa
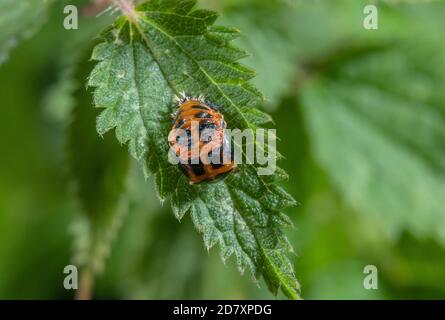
{"x": 200, "y": 141}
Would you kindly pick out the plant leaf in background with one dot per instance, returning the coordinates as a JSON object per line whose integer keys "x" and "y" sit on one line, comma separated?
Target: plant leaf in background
{"x": 19, "y": 20}
{"x": 265, "y": 31}
{"x": 376, "y": 117}
{"x": 305, "y": 28}
{"x": 164, "y": 48}
{"x": 92, "y": 162}
{"x": 98, "y": 168}
{"x": 34, "y": 205}
{"x": 59, "y": 100}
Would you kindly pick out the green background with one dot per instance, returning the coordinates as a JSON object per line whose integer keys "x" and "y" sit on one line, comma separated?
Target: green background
{"x": 361, "y": 119}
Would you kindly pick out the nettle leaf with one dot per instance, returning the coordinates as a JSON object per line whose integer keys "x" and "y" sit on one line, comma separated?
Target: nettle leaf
{"x": 19, "y": 20}
{"x": 166, "y": 48}
{"x": 377, "y": 120}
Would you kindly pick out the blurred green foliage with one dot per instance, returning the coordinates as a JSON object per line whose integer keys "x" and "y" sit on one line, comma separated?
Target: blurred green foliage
{"x": 360, "y": 115}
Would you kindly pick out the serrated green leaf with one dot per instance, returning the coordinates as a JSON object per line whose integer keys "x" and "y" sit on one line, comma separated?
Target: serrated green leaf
{"x": 143, "y": 63}
{"x": 19, "y": 20}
